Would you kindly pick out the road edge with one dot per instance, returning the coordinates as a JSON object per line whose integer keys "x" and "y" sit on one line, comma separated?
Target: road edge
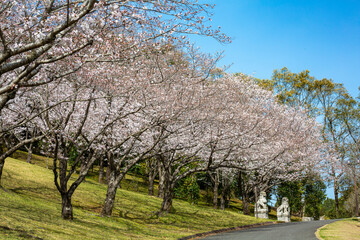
{"x": 204, "y": 234}
{"x": 317, "y": 233}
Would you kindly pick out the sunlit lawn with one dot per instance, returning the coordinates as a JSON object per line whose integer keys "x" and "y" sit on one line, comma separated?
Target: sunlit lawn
{"x": 30, "y": 209}
{"x": 348, "y": 229}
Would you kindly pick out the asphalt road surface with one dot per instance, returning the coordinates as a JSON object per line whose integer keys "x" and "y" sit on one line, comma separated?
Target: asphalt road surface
{"x": 282, "y": 231}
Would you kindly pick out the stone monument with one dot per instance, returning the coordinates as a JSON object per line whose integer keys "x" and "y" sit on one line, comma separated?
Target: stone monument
{"x": 283, "y": 211}
{"x": 261, "y": 208}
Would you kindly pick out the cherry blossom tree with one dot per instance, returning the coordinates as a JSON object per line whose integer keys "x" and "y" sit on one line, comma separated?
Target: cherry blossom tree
{"x": 170, "y": 80}
{"x": 46, "y": 41}
{"x": 35, "y": 34}
{"x": 239, "y": 125}
{"x": 75, "y": 114}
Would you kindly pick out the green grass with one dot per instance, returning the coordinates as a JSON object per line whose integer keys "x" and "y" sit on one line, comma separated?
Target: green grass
{"x": 42, "y": 161}
{"x": 30, "y": 209}
{"x": 348, "y": 229}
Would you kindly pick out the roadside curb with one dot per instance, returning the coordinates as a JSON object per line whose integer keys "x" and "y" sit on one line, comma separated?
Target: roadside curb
{"x": 317, "y": 233}
{"x": 204, "y": 234}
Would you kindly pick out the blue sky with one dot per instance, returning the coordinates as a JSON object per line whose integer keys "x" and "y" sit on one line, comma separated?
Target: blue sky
{"x": 322, "y": 36}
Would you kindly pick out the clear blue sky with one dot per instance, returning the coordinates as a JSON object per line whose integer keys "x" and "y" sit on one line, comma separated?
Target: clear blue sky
{"x": 322, "y": 36}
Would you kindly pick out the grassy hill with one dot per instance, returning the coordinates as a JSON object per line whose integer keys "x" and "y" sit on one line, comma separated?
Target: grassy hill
{"x": 30, "y": 209}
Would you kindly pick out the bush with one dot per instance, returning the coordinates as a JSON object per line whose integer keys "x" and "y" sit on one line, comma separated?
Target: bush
{"x": 188, "y": 189}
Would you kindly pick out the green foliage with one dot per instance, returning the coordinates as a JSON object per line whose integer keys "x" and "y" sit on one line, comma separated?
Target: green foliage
{"x": 294, "y": 89}
{"x": 328, "y": 208}
{"x": 314, "y": 191}
{"x": 310, "y": 190}
{"x": 294, "y": 192}
{"x": 73, "y": 154}
{"x": 188, "y": 188}
{"x": 139, "y": 169}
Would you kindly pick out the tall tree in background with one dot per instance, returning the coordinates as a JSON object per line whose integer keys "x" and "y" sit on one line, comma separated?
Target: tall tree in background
{"x": 325, "y": 100}
{"x": 349, "y": 113}
{"x": 329, "y": 94}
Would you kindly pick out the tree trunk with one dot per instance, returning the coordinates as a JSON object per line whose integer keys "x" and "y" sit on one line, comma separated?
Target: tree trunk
{"x": 256, "y": 200}
{"x": 166, "y": 205}
{"x": 7, "y": 96}
{"x": 244, "y": 194}
{"x": 62, "y": 175}
{"x": 161, "y": 181}
{"x": 336, "y": 195}
{"x": 108, "y": 171}
{"x": 245, "y": 202}
{"x": 151, "y": 183}
{"x": 66, "y": 207}
{"x": 152, "y": 166}
{"x": 101, "y": 171}
{"x": 2, "y": 163}
{"x": 303, "y": 209}
{"x": 110, "y": 196}
{"x": 28, "y": 160}
{"x": 168, "y": 191}
{"x": 356, "y": 195}
{"x": 216, "y": 190}
{"x": 225, "y": 186}
{"x": 222, "y": 201}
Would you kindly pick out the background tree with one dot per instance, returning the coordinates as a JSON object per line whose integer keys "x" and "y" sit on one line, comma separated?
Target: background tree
{"x": 314, "y": 195}
{"x": 323, "y": 99}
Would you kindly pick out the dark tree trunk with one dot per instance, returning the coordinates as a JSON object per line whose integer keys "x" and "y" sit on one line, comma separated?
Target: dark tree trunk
{"x": 151, "y": 184}
{"x": 168, "y": 190}
{"x": 7, "y": 96}
{"x": 222, "y": 201}
{"x": 161, "y": 181}
{"x": 152, "y": 172}
{"x": 244, "y": 193}
{"x": 110, "y": 195}
{"x": 101, "y": 171}
{"x": 66, "y": 207}
{"x": 216, "y": 190}
{"x": 28, "y": 160}
{"x": 62, "y": 175}
{"x": 356, "y": 194}
{"x": 224, "y": 193}
{"x": 166, "y": 205}
{"x": 114, "y": 179}
{"x": 336, "y": 195}
{"x": 108, "y": 171}
{"x": 245, "y": 201}
{"x": 2, "y": 163}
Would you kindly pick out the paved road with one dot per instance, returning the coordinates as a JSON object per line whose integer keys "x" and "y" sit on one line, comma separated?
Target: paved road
{"x": 282, "y": 231}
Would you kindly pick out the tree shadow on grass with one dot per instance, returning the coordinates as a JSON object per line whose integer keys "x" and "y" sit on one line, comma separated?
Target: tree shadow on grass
{"x": 19, "y": 233}
{"x": 42, "y": 189}
{"x": 5, "y": 190}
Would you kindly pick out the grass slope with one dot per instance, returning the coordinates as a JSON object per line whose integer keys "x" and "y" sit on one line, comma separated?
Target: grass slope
{"x": 30, "y": 209}
{"x": 348, "y": 229}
